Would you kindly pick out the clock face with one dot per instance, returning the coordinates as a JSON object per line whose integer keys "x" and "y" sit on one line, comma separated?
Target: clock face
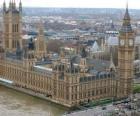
{"x": 121, "y": 42}
{"x": 130, "y": 42}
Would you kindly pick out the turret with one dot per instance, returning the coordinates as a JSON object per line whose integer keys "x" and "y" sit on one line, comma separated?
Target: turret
{"x": 4, "y": 7}
{"x": 14, "y": 4}
{"x": 83, "y": 62}
{"x": 112, "y": 65}
{"x": 20, "y": 6}
{"x": 40, "y": 42}
{"x": 29, "y": 55}
{"x": 10, "y": 5}
{"x": 83, "y": 53}
{"x": 19, "y": 51}
{"x": 29, "y": 50}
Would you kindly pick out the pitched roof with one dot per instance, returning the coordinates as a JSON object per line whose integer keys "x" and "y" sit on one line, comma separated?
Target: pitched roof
{"x": 126, "y": 26}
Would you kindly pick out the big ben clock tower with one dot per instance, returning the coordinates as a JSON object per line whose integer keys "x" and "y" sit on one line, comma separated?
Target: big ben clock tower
{"x": 125, "y": 57}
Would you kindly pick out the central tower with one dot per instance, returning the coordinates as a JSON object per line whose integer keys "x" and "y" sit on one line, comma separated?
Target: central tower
{"x": 12, "y": 19}
{"x": 126, "y": 57}
{"x": 40, "y": 43}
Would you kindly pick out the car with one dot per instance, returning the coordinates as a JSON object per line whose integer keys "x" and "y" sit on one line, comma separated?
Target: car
{"x": 103, "y": 108}
{"x": 135, "y": 100}
{"x": 124, "y": 101}
{"x": 116, "y": 109}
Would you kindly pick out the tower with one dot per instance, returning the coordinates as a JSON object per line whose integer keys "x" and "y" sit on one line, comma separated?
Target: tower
{"x": 125, "y": 57}
{"x": 12, "y": 21}
{"x": 83, "y": 60}
{"x": 29, "y": 55}
{"x": 19, "y": 52}
{"x": 40, "y": 43}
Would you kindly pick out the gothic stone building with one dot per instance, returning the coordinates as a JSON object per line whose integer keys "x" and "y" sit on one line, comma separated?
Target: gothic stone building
{"x": 68, "y": 80}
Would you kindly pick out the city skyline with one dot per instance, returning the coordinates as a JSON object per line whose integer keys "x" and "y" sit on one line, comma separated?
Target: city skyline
{"x": 133, "y": 4}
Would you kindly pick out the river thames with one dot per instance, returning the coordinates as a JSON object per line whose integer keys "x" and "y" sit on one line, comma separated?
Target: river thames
{"x": 13, "y": 103}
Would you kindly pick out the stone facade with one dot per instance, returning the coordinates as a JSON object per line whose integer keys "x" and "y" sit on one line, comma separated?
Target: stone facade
{"x": 126, "y": 57}
{"x": 68, "y": 80}
{"x": 12, "y": 20}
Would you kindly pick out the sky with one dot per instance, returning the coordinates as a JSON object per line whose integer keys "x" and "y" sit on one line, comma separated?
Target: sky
{"x": 134, "y": 4}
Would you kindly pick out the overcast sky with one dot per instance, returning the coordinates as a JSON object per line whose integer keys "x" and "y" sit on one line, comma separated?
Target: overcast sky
{"x": 135, "y": 4}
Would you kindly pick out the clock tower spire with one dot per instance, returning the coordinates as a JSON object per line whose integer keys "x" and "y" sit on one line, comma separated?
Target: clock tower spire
{"x": 125, "y": 57}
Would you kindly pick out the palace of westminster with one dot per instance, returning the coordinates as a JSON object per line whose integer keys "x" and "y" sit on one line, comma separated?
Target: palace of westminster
{"x": 68, "y": 80}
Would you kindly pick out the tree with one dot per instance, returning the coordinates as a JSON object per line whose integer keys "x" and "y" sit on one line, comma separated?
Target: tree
{"x": 54, "y": 45}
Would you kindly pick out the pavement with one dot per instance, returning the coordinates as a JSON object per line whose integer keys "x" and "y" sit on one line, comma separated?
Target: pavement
{"x": 98, "y": 111}
{"x": 121, "y": 109}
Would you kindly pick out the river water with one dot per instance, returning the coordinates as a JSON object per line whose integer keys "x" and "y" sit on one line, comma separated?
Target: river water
{"x": 13, "y": 103}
